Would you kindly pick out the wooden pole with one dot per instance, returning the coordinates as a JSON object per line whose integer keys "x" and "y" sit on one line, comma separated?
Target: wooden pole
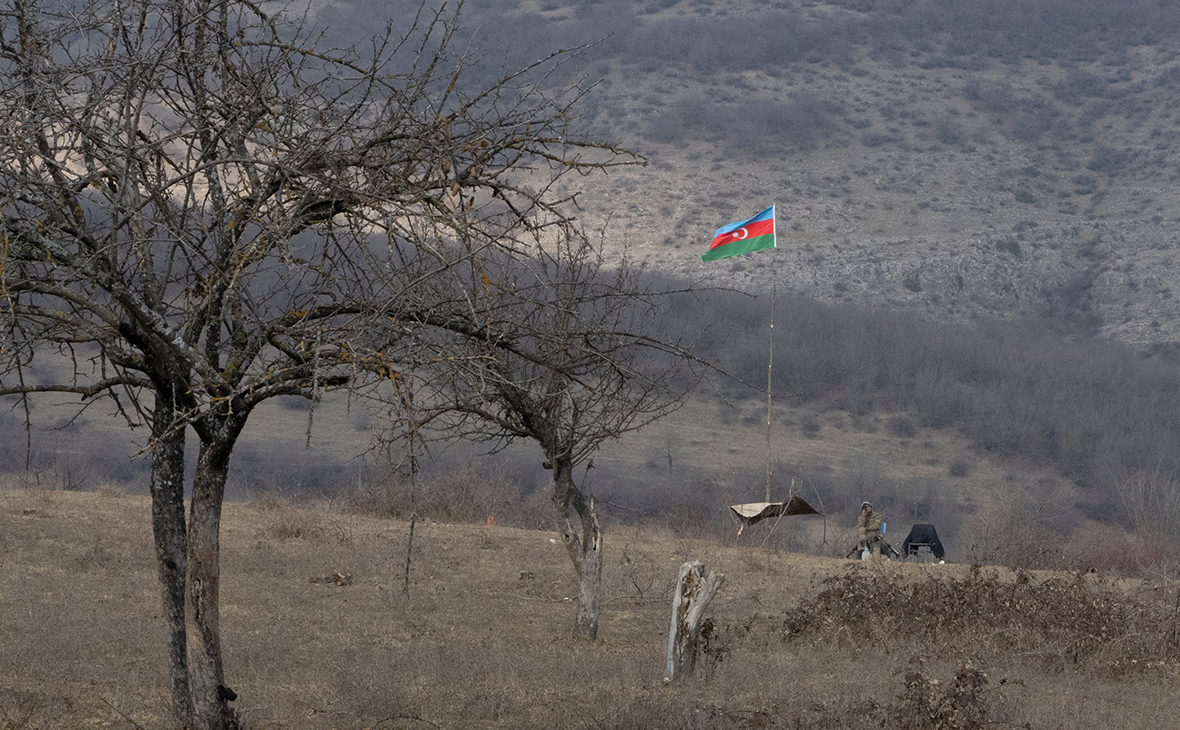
{"x": 769, "y": 381}
{"x": 770, "y": 363}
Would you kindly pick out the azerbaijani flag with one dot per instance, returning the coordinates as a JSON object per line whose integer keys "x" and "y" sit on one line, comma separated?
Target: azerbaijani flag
{"x": 743, "y": 237}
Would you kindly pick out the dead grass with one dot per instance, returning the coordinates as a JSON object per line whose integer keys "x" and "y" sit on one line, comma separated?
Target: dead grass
{"x": 481, "y": 638}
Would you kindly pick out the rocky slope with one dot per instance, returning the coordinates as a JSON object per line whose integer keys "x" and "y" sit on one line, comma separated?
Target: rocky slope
{"x": 965, "y": 184}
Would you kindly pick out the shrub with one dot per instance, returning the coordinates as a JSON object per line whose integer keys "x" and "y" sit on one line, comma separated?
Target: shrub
{"x": 1108, "y": 548}
{"x": 960, "y": 467}
{"x": 1108, "y": 160}
{"x": 289, "y": 523}
{"x": 1008, "y": 244}
{"x": 876, "y": 139}
{"x": 464, "y": 495}
{"x": 283, "y": 521}
{"x": 948, "y": 132}
{"x": 990, "y": 96}
{"x": 965, "y": 703}
{"x": 1078, "y": 619}
{"x": 902, "y": 427}
{"x": 970, "y": 701}
{"x": 1079, "y": 85}
{"x": 810, "y": 425}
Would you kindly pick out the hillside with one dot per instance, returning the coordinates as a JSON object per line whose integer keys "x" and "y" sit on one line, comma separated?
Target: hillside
{"x": 976, "y": 328}
{"x": 963, "y": 159}
{"x": 323, "y": 629}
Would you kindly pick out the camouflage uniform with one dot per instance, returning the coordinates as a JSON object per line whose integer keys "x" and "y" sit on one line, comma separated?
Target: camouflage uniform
{"x": 868, "y": 531}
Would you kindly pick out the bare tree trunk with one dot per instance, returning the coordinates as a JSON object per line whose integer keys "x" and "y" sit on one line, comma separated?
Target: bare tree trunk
{"x": 585, "y": 551}
{"x": 694, "y": 591}
{"x": 206, "y": 671}
{"x": 586, "y": 554}
{"x": 171, "y": 542}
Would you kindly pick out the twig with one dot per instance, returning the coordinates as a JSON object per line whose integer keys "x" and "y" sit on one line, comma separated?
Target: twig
{"x": 405, "y": 717}
{"x": 409, "y": 551}
{"x": 120, "y": 712}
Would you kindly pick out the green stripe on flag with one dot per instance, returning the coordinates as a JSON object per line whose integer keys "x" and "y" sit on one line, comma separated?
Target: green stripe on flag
{"x": 737, "y": 248}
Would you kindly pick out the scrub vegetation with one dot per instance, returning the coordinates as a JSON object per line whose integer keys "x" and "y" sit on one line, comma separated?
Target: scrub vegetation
{"x": 1015, "y": 442}
{"x": 323, "y": 630}
{"x": 974, "y": 326}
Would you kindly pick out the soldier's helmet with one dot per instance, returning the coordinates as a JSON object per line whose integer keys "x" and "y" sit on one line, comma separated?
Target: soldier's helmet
{"x": 866, "y": 504}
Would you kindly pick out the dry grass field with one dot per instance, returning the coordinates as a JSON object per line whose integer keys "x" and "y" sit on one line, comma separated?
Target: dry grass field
{"x": 922, "y": 171}
{"x": 321, "y": 629}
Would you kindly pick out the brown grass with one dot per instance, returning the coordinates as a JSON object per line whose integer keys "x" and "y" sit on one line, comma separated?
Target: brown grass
{"x": 482, "y": 637}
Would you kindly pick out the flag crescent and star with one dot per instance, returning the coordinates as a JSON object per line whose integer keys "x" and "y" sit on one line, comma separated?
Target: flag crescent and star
{"x": 745, "y": 236}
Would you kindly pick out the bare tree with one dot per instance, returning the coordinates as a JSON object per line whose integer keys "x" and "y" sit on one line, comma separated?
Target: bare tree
{"x": 561, "y": 350}
{"x": 203, "y": 208}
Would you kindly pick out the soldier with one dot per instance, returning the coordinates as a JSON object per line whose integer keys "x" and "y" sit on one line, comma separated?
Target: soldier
{"x": 868, "y": 531}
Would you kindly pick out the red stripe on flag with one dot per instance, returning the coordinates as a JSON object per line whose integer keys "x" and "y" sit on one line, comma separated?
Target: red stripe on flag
{"x": 758, "y": 228}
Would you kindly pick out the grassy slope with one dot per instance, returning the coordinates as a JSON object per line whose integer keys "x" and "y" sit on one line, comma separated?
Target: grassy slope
{"x": 717, "y": 449}
{"x": 914, "y": 169}
{"x": 481, "y": 639}
{"x": 858, "y": 219}
{"x": 922, "y": 190}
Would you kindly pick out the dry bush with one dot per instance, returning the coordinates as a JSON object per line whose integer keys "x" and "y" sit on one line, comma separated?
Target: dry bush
{"x": 638, "y": 577}
{"x": 1110, "y": 549}
{"x": 378, "y": 500}
{"x": 468, "y": 496}
{"x": 678, "y": 712}
{"x": 968, "y": 701}
{"x": 903, "y": 427}
{"x": 462, "y": 496}
{"x": 111, "y": 491}
{"x": 686, "y": 508}
{"x": 1076, "y": 619}
{"x": 1033, "y": 527}
{"x": 283, "y": 521}
{"x": 268, "y": 502}
{"x": 291, "y": 523}
{"x": 1022, "y": 526}
{"x": 1151, "y": 500}
{"x": 18, "y": 711}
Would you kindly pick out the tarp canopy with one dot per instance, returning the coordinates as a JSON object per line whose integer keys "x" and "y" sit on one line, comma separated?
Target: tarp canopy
{"x": 753, "y": 512}
{"x": 924, "y": 535}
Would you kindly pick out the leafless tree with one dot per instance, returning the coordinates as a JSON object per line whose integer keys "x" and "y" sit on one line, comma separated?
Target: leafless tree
{"x": 561, "y": 350}
{"x": 204, "y": 207}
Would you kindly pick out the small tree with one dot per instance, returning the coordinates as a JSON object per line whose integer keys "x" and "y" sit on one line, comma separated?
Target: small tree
{"x": 560, "y": 350}
{"x": 204, "y": 208}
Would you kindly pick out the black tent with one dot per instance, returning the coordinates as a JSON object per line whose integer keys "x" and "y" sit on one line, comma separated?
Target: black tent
{"x": 923, "y": 535}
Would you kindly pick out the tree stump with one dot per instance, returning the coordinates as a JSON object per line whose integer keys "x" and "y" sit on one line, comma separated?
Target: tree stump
{"x": 694, "y": 591}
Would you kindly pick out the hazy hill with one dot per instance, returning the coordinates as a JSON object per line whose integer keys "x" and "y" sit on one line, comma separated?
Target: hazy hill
{"x": 960, "y": 157}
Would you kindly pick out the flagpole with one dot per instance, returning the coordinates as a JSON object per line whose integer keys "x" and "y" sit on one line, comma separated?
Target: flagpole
{"x": 736, "y": 239}
{"x": 770, "y": 363}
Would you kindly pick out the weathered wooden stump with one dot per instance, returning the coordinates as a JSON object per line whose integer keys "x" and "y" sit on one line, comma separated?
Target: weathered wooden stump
{"x": 694, "y": 590}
